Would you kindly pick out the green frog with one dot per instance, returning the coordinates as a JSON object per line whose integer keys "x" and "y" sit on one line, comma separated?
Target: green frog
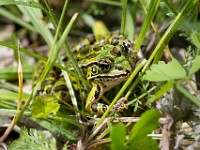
{"x": 105, "y": 61}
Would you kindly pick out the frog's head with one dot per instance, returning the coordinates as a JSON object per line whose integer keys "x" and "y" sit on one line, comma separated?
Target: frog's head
{"x": 111, "y": 64}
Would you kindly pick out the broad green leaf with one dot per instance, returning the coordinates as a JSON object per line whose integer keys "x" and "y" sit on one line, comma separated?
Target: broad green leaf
{"x": 138, "y": 139}
{"x": 44, "y": 105}
{"x": 118, "y": 130}
{"x": 195, "y": 66}
{"x": 165, "y": 72}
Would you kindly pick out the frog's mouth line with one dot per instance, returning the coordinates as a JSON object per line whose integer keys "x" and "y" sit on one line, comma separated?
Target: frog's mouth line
{"x": 109, "y": 78}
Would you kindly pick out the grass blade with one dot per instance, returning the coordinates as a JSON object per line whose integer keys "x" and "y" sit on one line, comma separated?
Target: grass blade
{"x": 147, "y": 22}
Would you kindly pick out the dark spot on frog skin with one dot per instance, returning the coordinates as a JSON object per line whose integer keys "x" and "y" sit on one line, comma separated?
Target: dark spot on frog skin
{"x": 93, "y": 55}
{"x": 83, "y": 49}
{"x": 119, "y": 67}
{"x": 111, "y": 59}
{"x": 57, "y": 71}
{"x": 128, "y": 71}
{"x": 94, "y": 107}
{"x": 104, "y": 107}
{"x": 97, "y": 92}
{"x": 116, "y": 52}
{"x": 60, "y": 88}
{"x": 74, "y": 82}
{"x": 115, "y": 41}
{"x": 97, "y": 48}
{"x": 65, "y": 59}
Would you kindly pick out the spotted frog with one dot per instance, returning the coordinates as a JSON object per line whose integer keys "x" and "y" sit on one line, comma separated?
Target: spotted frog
{"x": 105, "y": 61}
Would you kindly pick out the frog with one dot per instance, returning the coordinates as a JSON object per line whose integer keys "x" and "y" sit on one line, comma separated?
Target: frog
{"x": 106, "y": 61}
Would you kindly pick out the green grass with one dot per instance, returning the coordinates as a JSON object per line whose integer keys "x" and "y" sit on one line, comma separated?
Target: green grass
{"x": 152, "y": 75}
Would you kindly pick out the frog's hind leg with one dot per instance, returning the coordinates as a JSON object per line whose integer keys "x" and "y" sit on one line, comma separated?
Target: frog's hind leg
{"x": 60, "y": 90}
{"x": 48, "y": 82}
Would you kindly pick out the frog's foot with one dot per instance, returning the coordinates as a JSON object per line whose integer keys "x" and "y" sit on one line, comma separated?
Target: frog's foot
{"x": 120, "y": 105}
{"x": 98, "y": 108}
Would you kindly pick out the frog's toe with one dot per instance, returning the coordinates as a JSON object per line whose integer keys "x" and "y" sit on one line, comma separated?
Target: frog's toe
{"x": 120, "y": 105}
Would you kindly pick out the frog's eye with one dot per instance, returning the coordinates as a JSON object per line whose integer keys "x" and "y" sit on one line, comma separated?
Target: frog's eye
{"x": 126, "y": 46}
{"x": 94, "y": 70}
{"x": 111, "y": 59}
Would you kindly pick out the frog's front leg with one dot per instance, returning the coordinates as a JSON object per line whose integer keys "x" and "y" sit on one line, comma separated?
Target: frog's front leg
{"x": 94, "y": 107}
